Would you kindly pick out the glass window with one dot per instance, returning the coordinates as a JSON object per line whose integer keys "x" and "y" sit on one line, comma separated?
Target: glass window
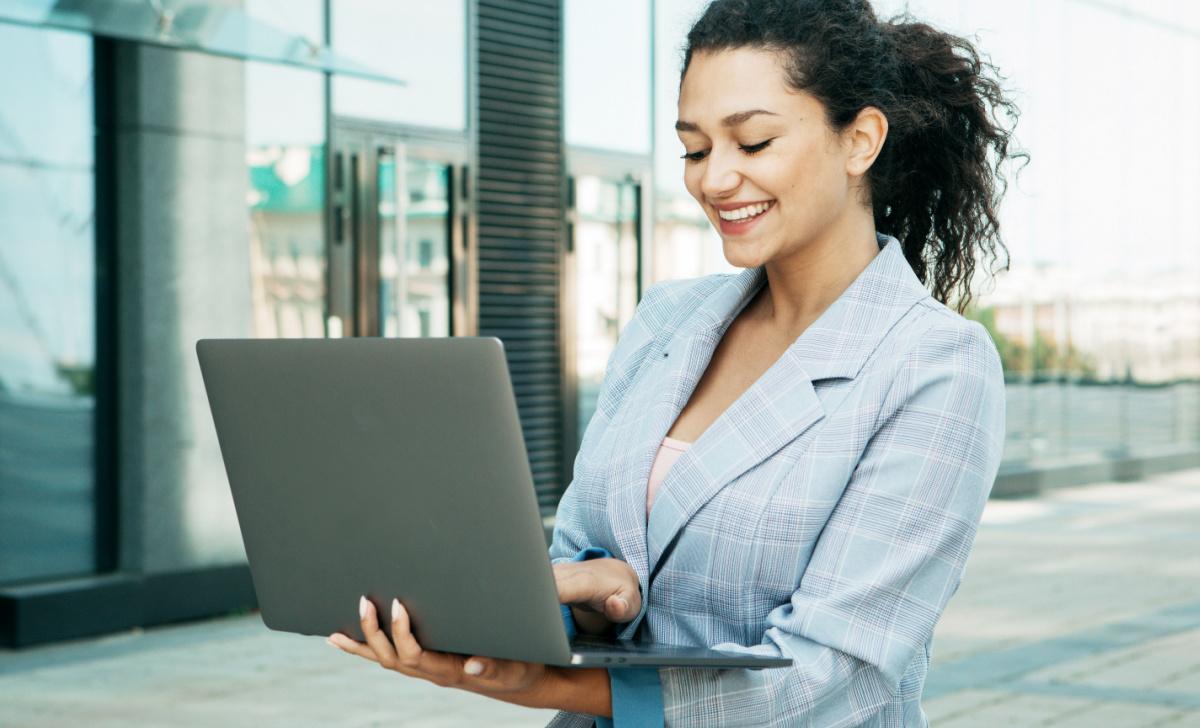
{"x": 606, "y": 57}
{"x": 414, "y": 245}
{"x": 606, "y": 254}
{"x": 285, "y": 156}
{"x": 47, "y": 305}
{"x": 422, "y": 43}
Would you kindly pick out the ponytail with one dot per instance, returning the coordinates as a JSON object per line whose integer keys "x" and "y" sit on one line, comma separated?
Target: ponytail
{"x": 937, "y": 183}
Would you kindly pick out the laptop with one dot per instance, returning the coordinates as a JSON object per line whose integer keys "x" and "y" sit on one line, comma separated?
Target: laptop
{"x": 397, "y": 468}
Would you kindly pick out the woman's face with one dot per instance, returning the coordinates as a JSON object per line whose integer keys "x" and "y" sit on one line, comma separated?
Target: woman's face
{"x": 760, "y": 158}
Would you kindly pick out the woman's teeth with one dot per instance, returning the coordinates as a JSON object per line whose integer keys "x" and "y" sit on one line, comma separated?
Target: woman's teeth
{"x": 744, "y": 213}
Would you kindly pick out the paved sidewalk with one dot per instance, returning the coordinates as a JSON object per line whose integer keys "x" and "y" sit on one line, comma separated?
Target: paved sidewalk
{"x": 1080, "y": 608}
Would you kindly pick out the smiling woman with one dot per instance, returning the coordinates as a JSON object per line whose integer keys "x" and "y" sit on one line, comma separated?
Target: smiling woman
{"x": 793, "y": 459}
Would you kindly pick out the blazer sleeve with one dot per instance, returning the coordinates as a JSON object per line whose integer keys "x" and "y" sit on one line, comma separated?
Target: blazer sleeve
{"x": 887, "y": 561}
{"x": 653, "y": 311}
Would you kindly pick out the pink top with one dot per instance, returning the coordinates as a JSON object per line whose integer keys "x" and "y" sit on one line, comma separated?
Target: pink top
{"x": 668, "y": 453}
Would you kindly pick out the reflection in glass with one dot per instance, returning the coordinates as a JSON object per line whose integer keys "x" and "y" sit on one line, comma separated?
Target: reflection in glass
{"x": 422, "y": 42}
{"x": 285, "y": 155}
{"x": 414, "y": 262}
{"x": 47, "y": 305}
{"x": 606, "y": 254}
{"x": 607, "y": 56}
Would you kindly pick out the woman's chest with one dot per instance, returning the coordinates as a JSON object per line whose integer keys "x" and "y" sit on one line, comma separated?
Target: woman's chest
{"x": 757, "y": 521}
{"x": 745, "y": 353}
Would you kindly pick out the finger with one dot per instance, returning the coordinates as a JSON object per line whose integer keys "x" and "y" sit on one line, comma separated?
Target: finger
{"x": 437, "y": 666}
{"x": 353, "y": 647}
{"x": 576, "y": 586}
{"x": 407, "y": 649}
{"x": 385, "y": 654}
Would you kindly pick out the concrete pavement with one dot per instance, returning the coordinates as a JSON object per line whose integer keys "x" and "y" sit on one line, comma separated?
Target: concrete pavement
{"x": 1080, "y": 608}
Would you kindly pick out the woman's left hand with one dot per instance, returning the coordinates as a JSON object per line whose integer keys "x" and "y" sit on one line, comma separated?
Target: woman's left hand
{"x": 523, "y": 683}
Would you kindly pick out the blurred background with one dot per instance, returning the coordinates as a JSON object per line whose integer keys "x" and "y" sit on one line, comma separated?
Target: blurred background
{"x": 175, "y": 170}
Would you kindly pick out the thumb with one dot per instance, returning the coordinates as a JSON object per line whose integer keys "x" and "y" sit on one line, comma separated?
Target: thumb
{"x": 575, "y": 586}
{"x": 619, "y": 608}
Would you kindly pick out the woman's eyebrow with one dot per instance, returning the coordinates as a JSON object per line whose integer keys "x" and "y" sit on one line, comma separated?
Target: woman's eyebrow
{"x": 728, "y": 121}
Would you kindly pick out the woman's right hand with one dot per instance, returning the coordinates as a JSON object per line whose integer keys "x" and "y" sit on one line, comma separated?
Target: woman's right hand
{"x": 601, "y": 592}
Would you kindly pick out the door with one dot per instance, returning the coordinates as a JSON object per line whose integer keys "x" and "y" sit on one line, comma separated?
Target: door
{"x": 395, "y": 258}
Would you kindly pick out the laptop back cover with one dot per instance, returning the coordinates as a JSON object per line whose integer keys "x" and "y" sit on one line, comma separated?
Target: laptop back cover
{"x": 391, "y": 468}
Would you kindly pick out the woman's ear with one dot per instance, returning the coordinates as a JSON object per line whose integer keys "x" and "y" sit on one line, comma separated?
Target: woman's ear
{"x": 864, "y": 136}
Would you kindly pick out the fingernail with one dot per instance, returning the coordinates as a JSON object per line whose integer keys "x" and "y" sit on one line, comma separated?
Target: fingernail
{"x": 395, "y": 609}
{"x": 362, "y": 607}
{"x": 473, "y": 668}
{"x": 624, "y": 604}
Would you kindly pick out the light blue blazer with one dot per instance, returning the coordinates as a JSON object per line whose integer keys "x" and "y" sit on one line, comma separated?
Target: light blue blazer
{"x": 826, "y": 515}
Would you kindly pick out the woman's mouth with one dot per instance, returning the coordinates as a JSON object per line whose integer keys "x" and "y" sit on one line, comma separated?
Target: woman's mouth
{"x": 737, "y": 220}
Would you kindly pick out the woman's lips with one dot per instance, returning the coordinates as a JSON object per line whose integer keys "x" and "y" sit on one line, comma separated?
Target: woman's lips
{"x": 740, "y": 227}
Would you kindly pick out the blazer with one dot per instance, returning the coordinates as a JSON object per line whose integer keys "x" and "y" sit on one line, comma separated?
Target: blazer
{"x": 826, "y": 515}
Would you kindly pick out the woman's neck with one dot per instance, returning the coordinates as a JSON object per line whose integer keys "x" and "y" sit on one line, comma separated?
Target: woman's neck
{"x": 800, "y": 287}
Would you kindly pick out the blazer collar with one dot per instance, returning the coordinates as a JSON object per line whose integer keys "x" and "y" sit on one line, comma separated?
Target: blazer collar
{"x": 776, "y": 409}
{"x": 838, "y": 343}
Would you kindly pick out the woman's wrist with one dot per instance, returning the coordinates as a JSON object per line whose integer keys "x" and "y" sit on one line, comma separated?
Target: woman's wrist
{"x": 576, "y": 690}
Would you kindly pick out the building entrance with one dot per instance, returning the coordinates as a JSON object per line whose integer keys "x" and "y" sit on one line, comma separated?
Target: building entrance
{"x": 395, "y": 237}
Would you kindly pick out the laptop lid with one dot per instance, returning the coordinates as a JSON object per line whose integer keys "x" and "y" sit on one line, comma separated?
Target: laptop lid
{"x": 390, "y": 467}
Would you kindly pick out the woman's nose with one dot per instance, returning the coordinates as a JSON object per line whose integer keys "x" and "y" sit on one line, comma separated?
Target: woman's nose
{"x": 721, "y": 177}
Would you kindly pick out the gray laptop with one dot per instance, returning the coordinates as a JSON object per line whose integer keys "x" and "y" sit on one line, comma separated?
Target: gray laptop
{"x": 397, "y": 468}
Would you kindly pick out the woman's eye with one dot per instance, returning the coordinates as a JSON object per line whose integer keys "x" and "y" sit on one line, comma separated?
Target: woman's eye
{"x": 747, "y": 148}
{"x": 756, "y": 148}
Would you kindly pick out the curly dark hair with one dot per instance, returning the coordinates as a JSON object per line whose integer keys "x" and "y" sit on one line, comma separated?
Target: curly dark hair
{"x": 937, "y": 182}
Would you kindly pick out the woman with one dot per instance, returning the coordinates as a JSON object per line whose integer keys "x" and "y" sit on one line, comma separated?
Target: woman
{"x": 792, "y": 459}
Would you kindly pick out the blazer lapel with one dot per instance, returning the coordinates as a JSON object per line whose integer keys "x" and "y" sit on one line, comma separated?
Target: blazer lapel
{"x": 780, "y": 406}
{"x": 673, "y": 369}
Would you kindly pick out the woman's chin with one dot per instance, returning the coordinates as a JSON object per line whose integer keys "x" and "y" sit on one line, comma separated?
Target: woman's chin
{"x": 743, "y": 255}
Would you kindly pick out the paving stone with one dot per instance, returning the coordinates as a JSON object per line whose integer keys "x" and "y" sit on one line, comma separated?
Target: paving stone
{"x": 1117, "y": 715}
{"x": 962, "y": 702}
{"x": 1018, "y": 710}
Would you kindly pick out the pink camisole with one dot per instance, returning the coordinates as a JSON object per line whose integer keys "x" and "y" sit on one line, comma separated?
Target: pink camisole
{"x": 668, "y": 453}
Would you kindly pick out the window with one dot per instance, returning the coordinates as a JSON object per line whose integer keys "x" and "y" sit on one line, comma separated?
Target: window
{"x": 285, "y": 157}
{"x": 422, "y": 43}
{"x": 47, "y": 305}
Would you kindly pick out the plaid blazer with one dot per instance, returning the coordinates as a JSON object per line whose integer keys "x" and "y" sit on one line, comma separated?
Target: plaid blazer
{"x": 826, "y": 515}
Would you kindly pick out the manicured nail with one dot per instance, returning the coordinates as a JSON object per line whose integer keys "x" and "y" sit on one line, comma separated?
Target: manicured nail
{"x": 395, "y": 609}
{"x": 473, "y": 668}
{"x": 362, "y": 607}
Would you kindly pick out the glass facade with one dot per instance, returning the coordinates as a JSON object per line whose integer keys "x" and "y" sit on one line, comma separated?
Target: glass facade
{"x": 414, "y": 245}
{"x": 47, "y": 305}
{"x": 606, "y": 251}
{"x": 618, "y": 32}
{"x": 285, "y": 157}
{"x": 422, "y": 43}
